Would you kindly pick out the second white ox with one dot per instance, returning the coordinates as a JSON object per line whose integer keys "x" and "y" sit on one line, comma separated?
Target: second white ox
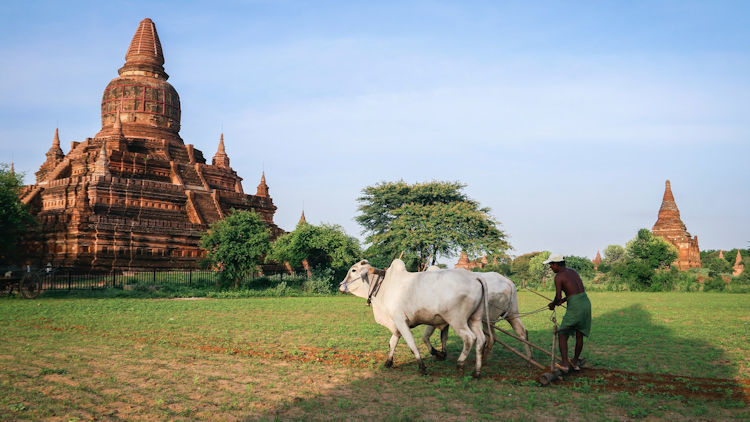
{"x": 502, "y": 304}
{"x": 403, "y": 300}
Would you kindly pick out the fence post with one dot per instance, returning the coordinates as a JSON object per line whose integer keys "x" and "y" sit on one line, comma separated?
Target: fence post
{"x": 190, "y": 277}
{"x": 154, "y": 276}
{"x": 113, "y": 278}
{"x": 69, "y": 287}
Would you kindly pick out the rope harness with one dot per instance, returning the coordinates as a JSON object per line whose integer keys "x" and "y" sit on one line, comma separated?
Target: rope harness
{"x": 375, "y": 285}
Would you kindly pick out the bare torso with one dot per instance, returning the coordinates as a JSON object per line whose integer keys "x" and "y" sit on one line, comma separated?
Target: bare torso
{"x": 567, "y": 280}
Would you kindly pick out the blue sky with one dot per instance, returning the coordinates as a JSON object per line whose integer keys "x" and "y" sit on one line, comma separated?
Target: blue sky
{"x": 565, "y": 118}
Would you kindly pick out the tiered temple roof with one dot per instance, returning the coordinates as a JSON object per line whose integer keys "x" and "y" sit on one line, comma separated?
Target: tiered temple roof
{"x": 669, "y": 226}
{"x": 135, "y": 195}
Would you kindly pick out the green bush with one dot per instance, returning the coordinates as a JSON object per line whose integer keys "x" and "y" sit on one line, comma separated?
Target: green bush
{"x": 321, "y": 282}
{"x": 583, "y": 266}
{"x": 663, "y": 281}
{"x": 716, "y": 284}
{"x": 716, "y": 266}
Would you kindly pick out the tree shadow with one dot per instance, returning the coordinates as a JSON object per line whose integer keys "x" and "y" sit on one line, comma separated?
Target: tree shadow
{"x": 627, "y": 351}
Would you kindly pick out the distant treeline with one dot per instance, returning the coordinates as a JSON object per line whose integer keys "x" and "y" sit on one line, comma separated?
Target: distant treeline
{"x": 644, "y": 264}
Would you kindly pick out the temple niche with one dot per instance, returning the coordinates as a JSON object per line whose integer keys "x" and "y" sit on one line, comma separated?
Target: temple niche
{"x": 135, "y": 195}
{"x": 670, "y": 227}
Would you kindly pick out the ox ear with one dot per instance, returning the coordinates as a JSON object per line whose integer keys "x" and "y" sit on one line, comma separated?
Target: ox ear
{"x": 363, "y": 262}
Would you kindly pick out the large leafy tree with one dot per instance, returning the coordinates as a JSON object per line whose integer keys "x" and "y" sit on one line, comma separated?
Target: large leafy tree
{"x": 237, "y": 244}
{"x": 646, "y": 256}
{"x": 324, "y": 246}
{"x": 612, "y": 254}
{"x": 519, "y": 268}
{"x": 655, "y": 251}
{"x": 426, "y": 220}
{"x": 15, "y": 218}
{"x": 583, "y": 266}
{"x": 539, "y": 272}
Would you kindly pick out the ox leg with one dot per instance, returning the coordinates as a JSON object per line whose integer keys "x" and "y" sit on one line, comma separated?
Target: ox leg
{"x": 468, "y": 338}
{"x": 403, "y": 328}
{"x": 521, "y": 332}
{"x": 476, "y": 329}
{"x": 428, "y": 330}
{"x": 392, "y": 344}
{"x": 443, "y": 343}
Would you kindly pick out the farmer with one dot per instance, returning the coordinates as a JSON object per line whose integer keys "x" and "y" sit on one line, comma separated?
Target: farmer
{"x": 578, "y": 315}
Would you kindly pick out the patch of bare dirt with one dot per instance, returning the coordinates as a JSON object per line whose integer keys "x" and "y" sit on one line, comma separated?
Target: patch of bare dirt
{"x": 604, "y": 379}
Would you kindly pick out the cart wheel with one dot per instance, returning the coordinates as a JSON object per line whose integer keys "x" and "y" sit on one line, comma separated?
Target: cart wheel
{"x": 30, "y": 287}
{"x": 6, "y": 288}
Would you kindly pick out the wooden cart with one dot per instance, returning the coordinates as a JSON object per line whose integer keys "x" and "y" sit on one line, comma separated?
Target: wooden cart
{"x": 23, "y": 280}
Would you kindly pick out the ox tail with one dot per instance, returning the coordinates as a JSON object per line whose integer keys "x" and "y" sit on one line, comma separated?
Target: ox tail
{"x": 485, "y": 294}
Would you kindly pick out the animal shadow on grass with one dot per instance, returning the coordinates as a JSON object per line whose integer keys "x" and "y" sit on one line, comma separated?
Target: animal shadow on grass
{"x": 626, "y": 348}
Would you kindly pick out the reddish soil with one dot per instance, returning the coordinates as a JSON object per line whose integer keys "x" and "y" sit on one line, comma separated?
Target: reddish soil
{"x": 597, "y": 378}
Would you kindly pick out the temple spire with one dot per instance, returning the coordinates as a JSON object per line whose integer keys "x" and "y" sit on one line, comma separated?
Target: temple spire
{"x": 55, "y": 152}
{"x": 221, "y": 159}
{"x": 101, "y": 166}
{"x": 669, "y": 214}
{"x": 13, "y": 171}
{"x": 117, "y": 127}
{"x": 262, "y": 187}
{"x": 597, "y": 260}
{"x": 144, "y": 53}
{"x": 667, "y": 202}
{"x": 302, "y": 219}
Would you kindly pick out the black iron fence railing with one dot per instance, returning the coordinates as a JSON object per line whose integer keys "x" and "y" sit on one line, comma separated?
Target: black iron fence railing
{"x": 65, "y": 279}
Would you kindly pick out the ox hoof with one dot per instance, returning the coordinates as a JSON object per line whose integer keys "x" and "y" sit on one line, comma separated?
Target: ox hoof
{"x": 388, "y": 363}
{"x": 439, "y": 355}
{"x": 460, "y": 369}
{"x": 476, "y": 374}
{"x": 422, "y": 369}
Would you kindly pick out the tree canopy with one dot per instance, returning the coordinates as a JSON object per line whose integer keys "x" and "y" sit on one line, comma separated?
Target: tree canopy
{"x": 583, "y": 266}
{"x": 322, "y": 246}
{"x": 237, "y": 244}
{"x": 539, "y": 272}
{"x": 612, "y": 254}
{"x": 426, "y": 220}
{"x": 15, "y": 218}
{"x": 647, "y": 257}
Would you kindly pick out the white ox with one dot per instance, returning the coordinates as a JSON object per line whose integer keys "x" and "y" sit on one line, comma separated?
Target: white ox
{"x": 503, "y": 303}
{"x": 403, "y": 300}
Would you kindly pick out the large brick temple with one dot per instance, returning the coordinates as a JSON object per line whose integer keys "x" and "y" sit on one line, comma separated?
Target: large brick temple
{"x": 135, "y": 195}
{"x": 669, "y": 226}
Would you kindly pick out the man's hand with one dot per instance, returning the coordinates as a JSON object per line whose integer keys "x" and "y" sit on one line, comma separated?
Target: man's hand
{"x": 551, "y": 306}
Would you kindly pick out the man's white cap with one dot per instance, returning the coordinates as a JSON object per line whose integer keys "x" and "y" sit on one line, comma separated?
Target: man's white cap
{"x": 554, "y": 257}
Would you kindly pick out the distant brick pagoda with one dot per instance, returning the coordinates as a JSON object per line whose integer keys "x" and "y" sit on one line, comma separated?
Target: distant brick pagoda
{"x": 670, "y": 227}
{"x": 597, "y": 261}
{"x": 135, "y": 196}
{"x": 739, "y": 266}
{"x": 463, "y": 262}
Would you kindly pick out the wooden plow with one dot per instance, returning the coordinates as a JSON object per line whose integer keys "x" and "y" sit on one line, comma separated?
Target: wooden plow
{"x": 551, "y": 373}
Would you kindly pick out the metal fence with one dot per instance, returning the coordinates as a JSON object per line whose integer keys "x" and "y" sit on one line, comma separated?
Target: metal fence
{"x": 65, "y": 279}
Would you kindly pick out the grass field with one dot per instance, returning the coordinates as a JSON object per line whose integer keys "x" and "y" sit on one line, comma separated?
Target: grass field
{"x": 651, "y": 355}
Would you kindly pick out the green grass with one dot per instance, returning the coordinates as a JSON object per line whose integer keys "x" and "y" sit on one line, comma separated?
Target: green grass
{"x": 321, "y": 358}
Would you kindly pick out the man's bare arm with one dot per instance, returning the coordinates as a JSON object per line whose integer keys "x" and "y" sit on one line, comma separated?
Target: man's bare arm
{"x": 558, "y": 292}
